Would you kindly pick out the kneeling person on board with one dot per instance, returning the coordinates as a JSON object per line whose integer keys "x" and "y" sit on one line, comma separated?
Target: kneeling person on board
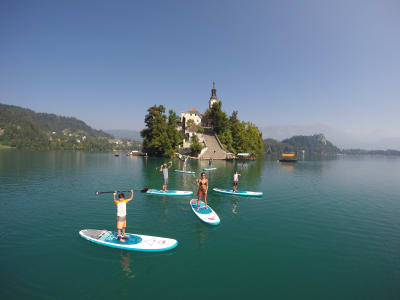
{"x": 121, "y": 213}
{"x": 202, "y": 183}
{"x": 164, "y": 169}
{"x": 235, "y": 180}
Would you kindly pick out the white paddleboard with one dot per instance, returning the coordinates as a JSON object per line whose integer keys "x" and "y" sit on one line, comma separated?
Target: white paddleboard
{"x": 238, "y": 192}
{"x": 185, "y": 172}
{"x": 134, "y": 242}
{"x": 169, "y": 193}
{"x": 207, "y": 215}
{"x": 209, "y": 169}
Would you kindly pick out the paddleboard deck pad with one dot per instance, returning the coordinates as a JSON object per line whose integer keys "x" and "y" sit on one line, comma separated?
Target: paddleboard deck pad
{"x": 169, "y": 193}
{"x": 207, "y": 215}
{"x": 133, "y": 242}
{"x": 238, "y": 192}
{"x": 209, "y": 169}
{"x": 185, "y": 172}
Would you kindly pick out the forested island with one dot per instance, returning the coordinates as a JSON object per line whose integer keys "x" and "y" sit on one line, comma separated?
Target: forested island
{"x": 164, "y": 134}
{"x": 23, "y": 128}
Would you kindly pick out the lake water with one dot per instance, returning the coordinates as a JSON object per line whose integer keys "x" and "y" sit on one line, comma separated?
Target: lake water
{"x": 324, "y": 229}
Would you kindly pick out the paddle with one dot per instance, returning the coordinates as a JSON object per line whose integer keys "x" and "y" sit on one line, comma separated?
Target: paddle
{"x": 144, "y": 190}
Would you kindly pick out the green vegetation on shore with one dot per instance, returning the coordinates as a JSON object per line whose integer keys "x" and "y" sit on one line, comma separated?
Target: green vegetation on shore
{"x": 236, "y": 136}
{"x": 23, "y": 128}
{"x": 160, "y": 137}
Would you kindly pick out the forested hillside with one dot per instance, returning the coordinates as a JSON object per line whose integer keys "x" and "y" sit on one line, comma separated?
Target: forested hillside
{"x": 25, "y": 129}
{"x": 316, "y": 143}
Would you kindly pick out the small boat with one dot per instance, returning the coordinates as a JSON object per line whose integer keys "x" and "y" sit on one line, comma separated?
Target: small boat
{"x": 116, "y": 155}
{"x": 246, "y": 156}
{"x": 136, "y": 153}
{"x": 288, "y": 157}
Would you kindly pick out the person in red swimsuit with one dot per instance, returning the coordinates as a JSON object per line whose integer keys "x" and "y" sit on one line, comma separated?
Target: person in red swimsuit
{"x": 202, "y": 183}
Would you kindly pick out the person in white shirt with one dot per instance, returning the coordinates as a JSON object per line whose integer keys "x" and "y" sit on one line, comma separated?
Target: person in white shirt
{"x": 121, "y": 213}
{"x": 235, "y": 180}
{"x": 164, "y": 169}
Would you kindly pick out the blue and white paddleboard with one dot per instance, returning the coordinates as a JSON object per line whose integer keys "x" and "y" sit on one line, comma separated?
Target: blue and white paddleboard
{"x": 207, "y": 215}
{"x": 238, "y": 192}
{"x": 134, "y": 242}
{"x": 185, "y": 172}
{"x": 209, "y": 169}
{"x": 169, "y": 193}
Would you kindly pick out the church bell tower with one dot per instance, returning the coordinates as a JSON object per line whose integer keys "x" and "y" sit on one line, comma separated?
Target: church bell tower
{"x": 213, "y": 98}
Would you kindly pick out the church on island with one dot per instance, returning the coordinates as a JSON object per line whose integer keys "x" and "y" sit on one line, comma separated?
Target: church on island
{"x": 193, "y": 114}
{"x": 192, "y": 123}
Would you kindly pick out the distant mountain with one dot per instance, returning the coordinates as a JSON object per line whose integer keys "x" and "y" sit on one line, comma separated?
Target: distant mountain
{"x": 125, "y": 134}
{"x": 317, "y": 144}
{"x": 364, "y": 139}
{"x": 25, "y": 129}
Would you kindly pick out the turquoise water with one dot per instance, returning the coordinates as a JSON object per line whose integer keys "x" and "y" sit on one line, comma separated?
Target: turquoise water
{"x": 324, "y": 229}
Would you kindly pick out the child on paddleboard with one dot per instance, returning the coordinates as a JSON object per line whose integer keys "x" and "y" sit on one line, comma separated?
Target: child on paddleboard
{"x": 164, "y": 169}
{"x": 202, "y": 183}
{"x": 235, "y": 180}
{"x": 121, "y": 213}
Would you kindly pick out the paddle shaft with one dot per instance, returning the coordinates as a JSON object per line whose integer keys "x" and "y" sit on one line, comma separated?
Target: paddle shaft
{"x": 98, "y": 193}
{"x": 142, "y": 190}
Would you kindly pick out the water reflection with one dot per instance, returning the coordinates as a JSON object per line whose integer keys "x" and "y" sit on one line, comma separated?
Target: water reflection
{"x": 288, "y": 166}
{"x": 126, "y": 265}
{"x": 235, "y": 204}
{"x": 202, "y": 231}
{"x": 164, "y": 215}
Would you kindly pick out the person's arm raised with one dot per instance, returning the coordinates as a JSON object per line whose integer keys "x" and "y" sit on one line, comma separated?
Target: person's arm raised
{"x": 130, "y": 199}
{"x": 115, "y": 200}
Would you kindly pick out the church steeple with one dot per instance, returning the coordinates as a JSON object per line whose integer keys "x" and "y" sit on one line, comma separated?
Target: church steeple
{"x": 213, "y": 97}
{"x": 214, "y": 92}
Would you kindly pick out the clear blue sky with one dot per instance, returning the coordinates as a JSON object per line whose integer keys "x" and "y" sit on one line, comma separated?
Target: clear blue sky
{"x": 277, "y": 62}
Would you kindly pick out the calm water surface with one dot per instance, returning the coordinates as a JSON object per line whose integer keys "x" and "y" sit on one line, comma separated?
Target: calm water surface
{"x": 325, "y": 229}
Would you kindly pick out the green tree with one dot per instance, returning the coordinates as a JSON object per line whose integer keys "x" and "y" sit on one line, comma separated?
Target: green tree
{"x": 161, "y": 137}
{"x": 155, "y": 137}
{"x": 175, "y": 136}
{"x": 217, "y": 118}
{"x": 195, "y": 147}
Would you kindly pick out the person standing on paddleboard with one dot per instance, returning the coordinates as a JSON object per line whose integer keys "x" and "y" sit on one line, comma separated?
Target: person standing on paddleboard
{"x": 235, "y": 180}
{"x": 184, "y": 163}
{"x": 202, "y": 183}
{"x": 210, "y": 162}
{"x": 121, "y": 213}
{"x": 164, "y": 169}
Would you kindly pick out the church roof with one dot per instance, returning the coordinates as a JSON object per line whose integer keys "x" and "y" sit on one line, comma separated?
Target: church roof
{"x": 194, "y": 111}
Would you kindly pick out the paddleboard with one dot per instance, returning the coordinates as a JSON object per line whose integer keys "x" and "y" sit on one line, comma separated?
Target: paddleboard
{"x": 238, "y": 192}
{"x": 185, "y": 172}
{"x": 169, "y": 193}
{"x": 209, "y": 169}
{"x": 207, "y": 215}
{"x": 133, "y": 242}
